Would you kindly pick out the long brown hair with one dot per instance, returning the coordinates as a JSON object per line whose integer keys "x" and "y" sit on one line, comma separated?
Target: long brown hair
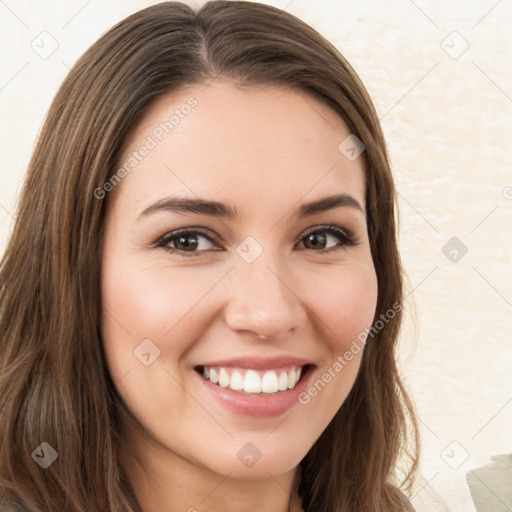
{"x": 55, "y": 387}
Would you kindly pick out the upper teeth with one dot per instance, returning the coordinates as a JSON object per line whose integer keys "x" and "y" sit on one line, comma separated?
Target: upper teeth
{"x": 253, "y": 381}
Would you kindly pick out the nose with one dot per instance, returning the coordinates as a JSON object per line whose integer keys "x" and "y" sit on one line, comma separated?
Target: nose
{"x": 263, "y": 299}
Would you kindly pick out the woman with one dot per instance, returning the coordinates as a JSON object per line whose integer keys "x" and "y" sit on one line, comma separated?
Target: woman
{"x": 258, "y": 374}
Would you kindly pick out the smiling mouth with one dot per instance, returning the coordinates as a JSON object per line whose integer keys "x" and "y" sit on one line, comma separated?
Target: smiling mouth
{"x": 254, "y": 382}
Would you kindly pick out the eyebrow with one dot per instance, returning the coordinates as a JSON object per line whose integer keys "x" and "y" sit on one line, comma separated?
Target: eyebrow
{"x": 217, "y": 209}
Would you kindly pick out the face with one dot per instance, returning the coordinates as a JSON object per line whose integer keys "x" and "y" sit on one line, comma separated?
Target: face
{"x": 186, "y": 293}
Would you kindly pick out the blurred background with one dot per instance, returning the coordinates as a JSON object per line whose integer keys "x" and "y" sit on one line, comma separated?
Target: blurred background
{"x": 440, "y": 75}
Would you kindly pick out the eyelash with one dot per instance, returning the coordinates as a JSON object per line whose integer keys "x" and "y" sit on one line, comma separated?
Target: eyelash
{"x": 345, "y": 236}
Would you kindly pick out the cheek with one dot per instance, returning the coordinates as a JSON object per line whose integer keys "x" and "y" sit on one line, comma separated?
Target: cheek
{"x": 148, "y": 302}
{"x": 346, "y": 305}
{"x": 146, "y": 310}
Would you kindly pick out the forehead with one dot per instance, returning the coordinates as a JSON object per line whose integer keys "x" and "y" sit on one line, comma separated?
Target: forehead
{"x": 240, "y": 144}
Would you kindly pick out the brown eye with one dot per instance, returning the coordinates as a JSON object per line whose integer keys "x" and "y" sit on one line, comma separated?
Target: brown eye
{"x": 184, "y": 242}
{"x": 318, "y": 238}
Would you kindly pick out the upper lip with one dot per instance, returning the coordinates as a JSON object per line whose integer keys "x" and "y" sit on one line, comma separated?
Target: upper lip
{"x": 259, "y": 363}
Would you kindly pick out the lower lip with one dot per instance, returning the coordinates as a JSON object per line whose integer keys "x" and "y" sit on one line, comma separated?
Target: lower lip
{"x": 261, "y": 404}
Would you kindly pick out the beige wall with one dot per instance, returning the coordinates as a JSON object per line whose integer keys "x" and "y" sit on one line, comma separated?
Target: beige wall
{"x": 447, "y": 117}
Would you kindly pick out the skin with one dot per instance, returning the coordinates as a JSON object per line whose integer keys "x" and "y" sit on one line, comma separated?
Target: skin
{"x": 264, "y": 150}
